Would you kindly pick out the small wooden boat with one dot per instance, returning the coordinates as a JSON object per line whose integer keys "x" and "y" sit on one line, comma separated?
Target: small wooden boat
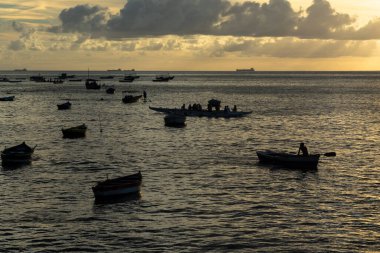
{"x": 118, "y": 187}
{"x": 201, "y": 113}
{"x": 110, "y": 90}
{"x": 175, "y": 120}
{"x": 288, "y": 160}
{"x": 129, "y": 78}
{"x": 131, "y": 99}
{"x": 75, "y": 132}
{"x": 91, "y": 84}
{"x": 64, "y": 106}
{"x": 18, "y": 154}
{"x": 163, "y": 78}
{"x": 8, "y": 98}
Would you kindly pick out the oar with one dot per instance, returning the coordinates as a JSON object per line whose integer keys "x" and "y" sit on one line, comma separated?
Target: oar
{"x": 330, "y": 154}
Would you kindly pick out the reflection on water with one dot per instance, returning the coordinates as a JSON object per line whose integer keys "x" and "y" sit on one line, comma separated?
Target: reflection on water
{"x": 203, "y": 188}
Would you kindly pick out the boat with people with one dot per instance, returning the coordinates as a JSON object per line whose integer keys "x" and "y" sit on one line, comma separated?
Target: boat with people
{"x": 91, "y": 84}
{"x": 7, "y": 98}
{"x": 19, "y": 154}
{"x": 131, "y": 99}
{"x": 64, "y": 106}
{"x": 288, "y": 159}
{"x": 117, "y": 187}
{"x": 175, "y": 120}
{"x": 75, "y": 132}
{"x": 213, "y": 110}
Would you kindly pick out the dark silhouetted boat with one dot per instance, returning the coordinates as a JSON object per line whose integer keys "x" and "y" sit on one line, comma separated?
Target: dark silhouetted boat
{"x": 4, "y": 79}
{"x": 201, "y": 113}
{"x": 106, "y": 77}
{"x": 163, "y": 78}
{"x": 64, "y": 106}
{"x": 288, "y": 160}
{"x": 117, "y": 187}
{"x": 110, "y": 90}
{"x": 131, "y": 99}
{"x": 19, "y": 154}
{"x": 175, "y": 120}
{"x": 38, "y": 79}
{"x": 74, "y": 132}
{"x": 92, "y": 84}
{"x": 7, "y": 98}
{"x": 245, "y": 70}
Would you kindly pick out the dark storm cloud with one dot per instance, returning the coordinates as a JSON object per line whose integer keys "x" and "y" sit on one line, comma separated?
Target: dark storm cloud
{"x": 82, "y": 18}
{"x": 143, "y": 18}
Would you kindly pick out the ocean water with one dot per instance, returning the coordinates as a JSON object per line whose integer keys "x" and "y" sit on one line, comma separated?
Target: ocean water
{"x": 203, "y": 188}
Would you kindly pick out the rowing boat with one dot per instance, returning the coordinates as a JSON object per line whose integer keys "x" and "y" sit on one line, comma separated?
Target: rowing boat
{"x": 287, "y": 159}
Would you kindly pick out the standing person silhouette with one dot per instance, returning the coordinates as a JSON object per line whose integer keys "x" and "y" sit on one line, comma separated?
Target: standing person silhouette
{"x": 303, "y": 149}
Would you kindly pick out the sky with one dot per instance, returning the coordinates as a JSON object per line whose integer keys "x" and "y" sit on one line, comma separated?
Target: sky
{"x": 268, "y": 35}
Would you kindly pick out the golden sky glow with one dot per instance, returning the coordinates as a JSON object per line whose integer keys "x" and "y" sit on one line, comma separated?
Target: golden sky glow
{"x": 190, "y": 35}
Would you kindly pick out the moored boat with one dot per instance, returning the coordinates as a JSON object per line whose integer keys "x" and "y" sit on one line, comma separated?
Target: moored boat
{"x": 18, "y": 154}
{"x": 117, "y": 187}
{"x": 91, "y": 84}
{"x": 130, "y": 98}
{"x": 75, "y": 132}
{"x": 163, "y": 78}
{"x": 7, "y": 98}
{"x": 64, "y": 106}
{"x": 110, "y": 90}
{"x": 175, "y": 120}
{"x": 288, "y": 160}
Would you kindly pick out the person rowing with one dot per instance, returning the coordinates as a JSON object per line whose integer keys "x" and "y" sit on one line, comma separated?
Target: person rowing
{"x": 303, "y": 149}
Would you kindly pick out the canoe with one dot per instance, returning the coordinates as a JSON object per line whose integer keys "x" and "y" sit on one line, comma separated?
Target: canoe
{"x": 201, "y": 113}
{"x": 75, "y": 132}
{"x": 288, "y": 160}
{"x": 8, "y": 98}
{"x": 21, "y": 153}
{"x": 131, "y": 99}
{"x": 175, "y": 120}
{"x": 117, "y": 187}
{"x": 64, "y": 106}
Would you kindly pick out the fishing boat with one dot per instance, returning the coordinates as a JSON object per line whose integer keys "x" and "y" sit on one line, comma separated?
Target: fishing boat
{"x": 74, "y": 132}
{"x": 246, "y": 70}
{"x": 117, "y": 187}
{"x": 130, "y": 98}
{"x": 175, "y": 120}
{"x": 288, "y": 159}
{"x": 7, "y": 98}
{"x": 64, "y": 106}
{"x": 91, "y": 84}
{"x": 18, "y": 154}
{"x": 202, "y": 113}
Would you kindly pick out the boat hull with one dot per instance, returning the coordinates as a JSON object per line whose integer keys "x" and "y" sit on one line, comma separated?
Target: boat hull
{"x": 114, "y": 188}
{"x": 201, "y": 113}
{"x": 75, "y": 132}
{"x": 173, "y": 120}
{"x": 131, "y": 99}
{"x": 288, "y": 160}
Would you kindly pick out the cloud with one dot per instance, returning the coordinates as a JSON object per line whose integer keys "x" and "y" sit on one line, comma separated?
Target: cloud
{"x": 291, "y": 48}
{"x": 152, "y": 18}
{"x": 82, "y": 19}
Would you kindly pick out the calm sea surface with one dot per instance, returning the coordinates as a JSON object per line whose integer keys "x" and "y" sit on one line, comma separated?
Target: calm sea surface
{"x": 203, "y": 189}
